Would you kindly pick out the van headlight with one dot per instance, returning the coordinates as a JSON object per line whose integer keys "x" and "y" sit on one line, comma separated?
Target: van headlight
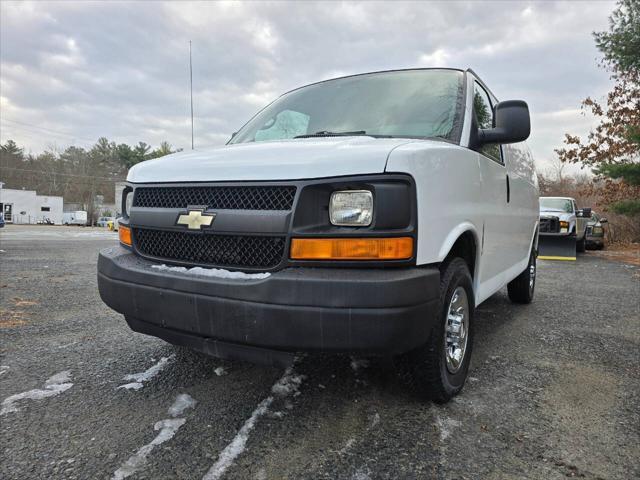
{"x": 128, "y": 201}
{"x": 351, "y": 208}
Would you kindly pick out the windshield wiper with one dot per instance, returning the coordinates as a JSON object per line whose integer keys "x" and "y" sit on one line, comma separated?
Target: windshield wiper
{"x": 325, "y": 133}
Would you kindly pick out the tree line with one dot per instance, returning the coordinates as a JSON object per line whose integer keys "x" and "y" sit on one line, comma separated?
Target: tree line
{"x": 612, "y": 148}
{"x": 77, "y": 174}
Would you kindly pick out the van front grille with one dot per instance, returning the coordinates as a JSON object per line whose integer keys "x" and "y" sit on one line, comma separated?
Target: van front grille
{"x": 233, "y": 251}
{"x": 549, "y": 225}
{"x": 257, "y": 197}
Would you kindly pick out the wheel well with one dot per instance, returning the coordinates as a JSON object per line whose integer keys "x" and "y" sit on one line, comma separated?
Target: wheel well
{"x": 465, "y": 248}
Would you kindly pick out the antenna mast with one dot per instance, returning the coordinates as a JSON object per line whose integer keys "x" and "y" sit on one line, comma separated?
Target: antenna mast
{"x": 191, "y": 91}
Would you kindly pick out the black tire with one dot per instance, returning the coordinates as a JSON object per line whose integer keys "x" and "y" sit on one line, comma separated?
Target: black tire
{"x": 581, "y": 245}
{"x": 522, "y": 287}
{"x": 425, "y": 368}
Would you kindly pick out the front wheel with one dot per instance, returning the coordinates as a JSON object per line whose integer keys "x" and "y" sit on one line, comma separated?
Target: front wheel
{"x": 437, "y": 370}
{"x": 581, "y": 245}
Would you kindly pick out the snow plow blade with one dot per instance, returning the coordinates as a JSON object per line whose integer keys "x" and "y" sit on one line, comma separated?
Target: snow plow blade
{"x": 556, "y": 248}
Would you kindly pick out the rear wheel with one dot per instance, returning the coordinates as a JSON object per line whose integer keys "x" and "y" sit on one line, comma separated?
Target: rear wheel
{"x": 521, "y": 288}
{"x": 437, "y": 370}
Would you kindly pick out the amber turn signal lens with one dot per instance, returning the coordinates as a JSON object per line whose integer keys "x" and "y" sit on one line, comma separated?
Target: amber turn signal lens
{"x": 400, "y": 248}
{"x": 124, "y": 233}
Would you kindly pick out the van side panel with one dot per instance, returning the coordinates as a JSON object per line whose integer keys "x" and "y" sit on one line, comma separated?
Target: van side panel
{"x": 453, "y": 196}
{"x": 524, "y": 207}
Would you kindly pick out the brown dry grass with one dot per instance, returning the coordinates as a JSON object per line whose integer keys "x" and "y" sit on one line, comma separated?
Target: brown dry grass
{"x": 625, "y": 253}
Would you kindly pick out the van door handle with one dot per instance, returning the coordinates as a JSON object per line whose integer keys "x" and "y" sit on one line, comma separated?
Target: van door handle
{"x": 508, "y": 190}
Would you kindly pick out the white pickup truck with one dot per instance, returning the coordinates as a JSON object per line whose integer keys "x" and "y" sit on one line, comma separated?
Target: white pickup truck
{"x": 563, "y": 228}
{"x": 368, "y": 214}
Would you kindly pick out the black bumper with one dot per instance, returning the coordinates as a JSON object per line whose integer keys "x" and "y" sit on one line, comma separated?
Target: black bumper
{"x": 368, "y": 311}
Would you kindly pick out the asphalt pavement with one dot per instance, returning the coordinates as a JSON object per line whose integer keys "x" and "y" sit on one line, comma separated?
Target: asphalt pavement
{"x": 553, "y": 391}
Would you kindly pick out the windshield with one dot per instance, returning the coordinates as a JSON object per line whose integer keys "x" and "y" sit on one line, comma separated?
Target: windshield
{"x": 413, "y": 103}
{"x": 561, "y": 204}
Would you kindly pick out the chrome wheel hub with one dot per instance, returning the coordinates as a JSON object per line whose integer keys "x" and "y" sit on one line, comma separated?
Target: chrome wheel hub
{"x": 456, "y": 330}
{"x": 532, "y": 273}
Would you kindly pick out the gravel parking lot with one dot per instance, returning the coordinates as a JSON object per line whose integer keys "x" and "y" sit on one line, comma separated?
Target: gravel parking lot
{"x": 554, "y": 388}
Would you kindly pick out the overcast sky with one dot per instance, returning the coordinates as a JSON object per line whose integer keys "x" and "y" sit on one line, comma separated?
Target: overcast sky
{"x": 74, "y": 71}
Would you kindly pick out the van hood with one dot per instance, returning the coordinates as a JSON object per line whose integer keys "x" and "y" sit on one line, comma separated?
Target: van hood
{"x": 282, "y": 160}
{"x": 560, "y": 214}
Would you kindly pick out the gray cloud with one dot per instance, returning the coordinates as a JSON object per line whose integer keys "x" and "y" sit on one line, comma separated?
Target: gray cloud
{"x": 71, "y": 72}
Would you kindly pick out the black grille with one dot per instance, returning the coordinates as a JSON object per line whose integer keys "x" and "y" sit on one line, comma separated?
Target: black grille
{"x": 549, "y": 225}
{"x": 223, "y": 198}
{"x": 215, "y": 250}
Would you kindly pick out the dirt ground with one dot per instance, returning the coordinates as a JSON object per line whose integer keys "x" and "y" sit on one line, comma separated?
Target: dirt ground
{"x": 553, "y": 392}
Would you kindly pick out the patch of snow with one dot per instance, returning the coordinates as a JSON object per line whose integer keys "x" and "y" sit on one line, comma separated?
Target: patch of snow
{"x": 213, "y": 272}
{"x": 288, "y": 384}
{"x": 375, "y": 420}
{"x": 58, "y": 378}
{"x": 237, "y": 445}
{"x": 132, "y": 386}
{"x": 347, "y": 446}
{"x": 168, "y": 429}
{"x": 4, "y": 369}
{"x": 2, "y": 251}
{"x": 220, "y": 371}
{"x": 183, "y": 401}
{"x": 140, "y": 378}
{"x": 361, "y": 474}
{"x": 445, "y": 426}
{"x": 55, "y": 385}
{"x": 359, "y": 363}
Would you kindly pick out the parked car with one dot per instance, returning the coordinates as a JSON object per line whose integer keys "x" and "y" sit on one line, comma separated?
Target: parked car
{"x": 595, "y": 231}
{"x": 563, "y": 227}
{"x": 368, "y": 214}
{"x": 104, "y": 221}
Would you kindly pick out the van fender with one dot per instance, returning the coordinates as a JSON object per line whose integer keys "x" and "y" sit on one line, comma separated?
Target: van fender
{"x": 454, "y": 234}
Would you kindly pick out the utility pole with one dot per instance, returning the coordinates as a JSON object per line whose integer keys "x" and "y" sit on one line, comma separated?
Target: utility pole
{"x": 191, "y": 91}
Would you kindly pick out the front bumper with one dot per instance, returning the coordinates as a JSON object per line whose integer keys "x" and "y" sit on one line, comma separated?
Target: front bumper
{"x": 595, "y": 240}
{"x": 369, "y": 311}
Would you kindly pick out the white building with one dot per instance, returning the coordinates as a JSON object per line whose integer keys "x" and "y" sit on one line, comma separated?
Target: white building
{"x": 26, "y": 206}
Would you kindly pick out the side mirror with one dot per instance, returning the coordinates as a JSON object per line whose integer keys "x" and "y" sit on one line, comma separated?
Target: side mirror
{"x": 585, "y": 212}
{"x": 604, "y": 220}
{"x": 512, "y": 124}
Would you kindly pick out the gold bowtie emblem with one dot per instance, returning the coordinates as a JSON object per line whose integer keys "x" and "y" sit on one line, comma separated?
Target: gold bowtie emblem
{"x": 196, "y": 219}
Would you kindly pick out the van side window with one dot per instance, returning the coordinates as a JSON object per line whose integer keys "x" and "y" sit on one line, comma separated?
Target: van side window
{"x": 484, "y": 117}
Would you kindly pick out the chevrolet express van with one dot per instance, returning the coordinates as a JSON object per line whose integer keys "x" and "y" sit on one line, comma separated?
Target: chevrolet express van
{"x": 368, "y": 214}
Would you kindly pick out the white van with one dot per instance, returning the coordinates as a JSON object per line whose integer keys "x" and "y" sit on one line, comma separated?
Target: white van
{"x": 368, "y": 214}
{"x": 79, "y": 217}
